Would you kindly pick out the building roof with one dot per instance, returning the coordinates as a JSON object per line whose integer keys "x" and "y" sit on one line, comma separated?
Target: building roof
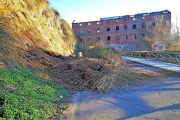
{"x": 136, "y": 15}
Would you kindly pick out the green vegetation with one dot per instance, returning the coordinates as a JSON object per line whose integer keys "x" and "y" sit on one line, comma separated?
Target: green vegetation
{"x": 100, "y": 52}
{"x": 25, "y": 96}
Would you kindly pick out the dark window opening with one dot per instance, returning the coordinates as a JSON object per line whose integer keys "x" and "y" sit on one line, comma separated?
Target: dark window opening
{"x": 117, "y": 28}
{"x": 134, "y": 26}
{"x": 126, "y": 37}
{"x": 108, "y": 38}
{"x": 143, "y": 26}
{"x": 153, "y": 24}
{"x": 117, "y": 38}
{"x": 125, "y": 27}
{"x": 98, "y": 30}
{"x": 107, "y": 21}
{"x": 98, "y": 39}
{"x": 125, "y": 20}
{"x": 108, "y": 29}
{"x": 89, "y": 31}
{"x": 134, "y": 36}
{"x": 143, "y": 36}
{"x": 80, "y": 31}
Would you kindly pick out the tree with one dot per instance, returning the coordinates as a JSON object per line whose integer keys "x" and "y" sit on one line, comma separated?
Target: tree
{"x": 175, "y": 45}
{"x": 158, "y": 30}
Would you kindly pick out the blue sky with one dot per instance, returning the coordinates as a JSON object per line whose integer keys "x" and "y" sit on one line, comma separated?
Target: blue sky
{"x": 92, "y": 10}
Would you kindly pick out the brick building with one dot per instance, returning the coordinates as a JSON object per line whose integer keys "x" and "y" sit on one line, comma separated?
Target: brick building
{"x": 120, "y": 32}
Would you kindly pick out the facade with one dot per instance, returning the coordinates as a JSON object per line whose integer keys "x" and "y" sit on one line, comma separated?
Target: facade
{"x": 120, "y": 32}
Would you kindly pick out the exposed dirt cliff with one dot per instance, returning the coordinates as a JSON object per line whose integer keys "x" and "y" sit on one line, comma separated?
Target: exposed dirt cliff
{"x": 32, "y": 23}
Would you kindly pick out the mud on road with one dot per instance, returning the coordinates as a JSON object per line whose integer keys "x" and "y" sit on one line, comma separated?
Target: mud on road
{"x": 156, "y": 99}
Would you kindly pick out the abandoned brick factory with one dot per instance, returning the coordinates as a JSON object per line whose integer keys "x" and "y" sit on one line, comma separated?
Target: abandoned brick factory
{"x": 121, "y": 32}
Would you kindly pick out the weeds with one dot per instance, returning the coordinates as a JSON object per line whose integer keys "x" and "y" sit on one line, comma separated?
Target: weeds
{"x": 99, "y": 51}
{"x": 26, "y": 96}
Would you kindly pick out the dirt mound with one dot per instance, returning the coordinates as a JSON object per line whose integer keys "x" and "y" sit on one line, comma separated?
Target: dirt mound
{"x": 73, "y": 72}
{"x": 76, "y": 73}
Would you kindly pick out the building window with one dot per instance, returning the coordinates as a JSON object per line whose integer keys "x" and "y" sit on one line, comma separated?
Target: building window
{"x": 108, "y": 29}
{"x": 143, "y": 36}
{"x": 117, "y": 20}
{"x": 80, "y": 31}
{"x": 98, "y": 39}
{"x": 89, "y": 31}
{"x": 80, "y": 24}
{"x": 134, "y": 36}
{"x": 134, "y": 18}
{"x": 143, "y": 17}
{"x": 126, "y": 37}
{"x": 125, "y": 20}
{"x": 108, "y": 38}
{"x": 117, "y": 38}
{"x": 153, "y": 24}
{"x": 134, "y": 26}
{"x": 117, "y": 28}
{"x": 125, "y": 27}
{"x": 89, "y": 23}
{"x": 143, "y": 26}
{"x": 98, "y": 30}
{"x": 98, "y": 23}
{"x": 107, "y": 21}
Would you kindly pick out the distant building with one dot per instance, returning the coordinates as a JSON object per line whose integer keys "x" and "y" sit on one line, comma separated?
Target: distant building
{"x": 120, "y": 32}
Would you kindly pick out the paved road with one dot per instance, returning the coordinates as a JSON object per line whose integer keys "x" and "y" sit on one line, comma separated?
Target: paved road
{"x": 159, "y": 64}
{"x": 154, "y": 100}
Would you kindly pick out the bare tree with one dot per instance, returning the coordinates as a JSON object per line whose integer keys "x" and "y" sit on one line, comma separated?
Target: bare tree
{"x": 158, "y": 30}
{"x": 175, "y": 45}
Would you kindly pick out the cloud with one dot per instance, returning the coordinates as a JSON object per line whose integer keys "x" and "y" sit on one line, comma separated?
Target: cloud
{"x": 126, "y": 3}
{"x": 65, "y": 7}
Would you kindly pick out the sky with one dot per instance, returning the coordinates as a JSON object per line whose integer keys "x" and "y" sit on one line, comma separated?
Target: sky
{"x": 93, "y": 10}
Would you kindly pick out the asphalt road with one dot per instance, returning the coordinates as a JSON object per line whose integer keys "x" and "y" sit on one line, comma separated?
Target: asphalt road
{"x": 153, "y": 100}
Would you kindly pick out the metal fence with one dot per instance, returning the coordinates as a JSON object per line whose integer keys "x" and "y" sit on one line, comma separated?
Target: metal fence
{"x": 162, "y": 56}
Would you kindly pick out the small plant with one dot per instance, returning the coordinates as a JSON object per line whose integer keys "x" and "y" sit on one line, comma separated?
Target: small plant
{"x": 25, "y": 96}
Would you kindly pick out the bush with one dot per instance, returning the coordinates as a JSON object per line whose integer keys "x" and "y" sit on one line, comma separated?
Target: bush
{"x": 106, "y": 53}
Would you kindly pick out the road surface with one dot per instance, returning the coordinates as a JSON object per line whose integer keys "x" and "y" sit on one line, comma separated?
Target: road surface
{"x": 152, "y": 100}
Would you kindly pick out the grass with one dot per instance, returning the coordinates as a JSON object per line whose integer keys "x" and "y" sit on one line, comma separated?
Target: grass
{"x": 25, "y": 96}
